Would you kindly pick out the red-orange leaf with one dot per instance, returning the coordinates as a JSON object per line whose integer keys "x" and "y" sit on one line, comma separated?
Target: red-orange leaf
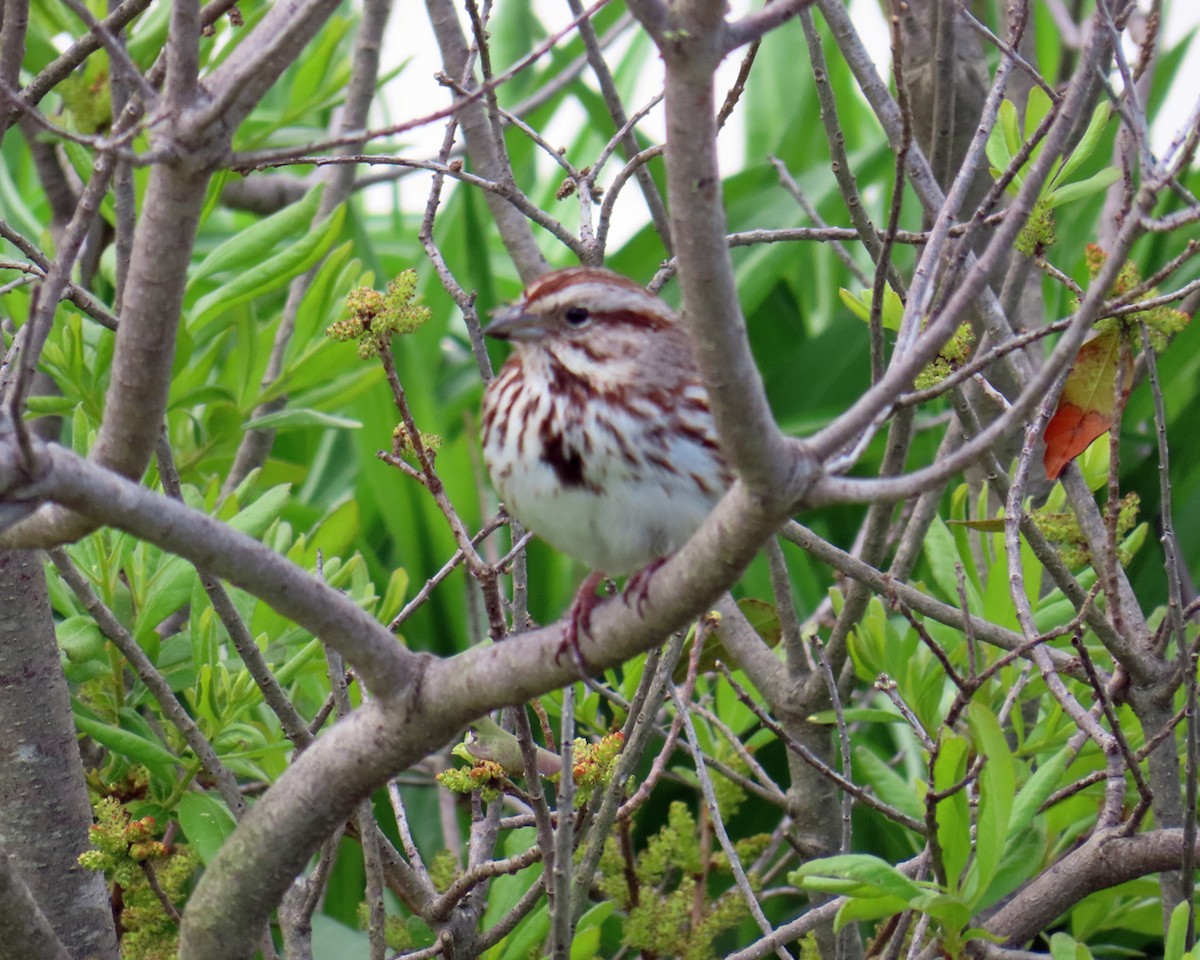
{"x": 1088, "y": 401}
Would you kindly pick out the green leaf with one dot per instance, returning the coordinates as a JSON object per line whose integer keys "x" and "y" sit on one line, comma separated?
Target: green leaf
{"x": 507, "y": 890}
{"x": 892, "y": 314}
{"x": 168, "y": 590}
{"x": 941, "y": 552}
{"x": 1064, "y": 947}
{"x": 953, "y": 818}
{"x": 855, "y": 304}
{"x": 1082, "y": 189}
{"x": 129, "y": 745}
{"x": 997, "y": 785}
{"x": 888, "y": 785}
{"x": 857, "y": 715}
{"x": 526, "y": 939}
{"x": 1037, "y": 108}
{"x": 299, "y": 419}
{"x": 1176, "y": 933}
{"x": 586, "y": 942}
{"x": 51, "y": 406}
{"x": 1087, "y": 143}
{"x": 950, "y": 910}
{"x": 272, "y": 273}
{"x": 1006, "y": 139}
{"x": 1023, "y": 853}
{"x": 207, "y": 823}
{"x": 870, "y": 875}
{"x": 316, "y": 73}
{"x": 285, "y": 674}
{"x": 255, "y": 243}
{"x": 1036, "y": 791}
{"x": 857, "y": 909}
{"x": 254, "y": 520}
{"x": 393, "y": 597}
{"x": 80, "y": 639}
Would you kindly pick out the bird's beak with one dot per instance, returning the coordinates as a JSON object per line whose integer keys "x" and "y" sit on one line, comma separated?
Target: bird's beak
{"x": 513, "y": 323}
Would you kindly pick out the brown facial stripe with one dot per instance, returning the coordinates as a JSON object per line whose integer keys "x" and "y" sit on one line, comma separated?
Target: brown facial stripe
{"x": 575, "y": 390}
{"x": 632, "y": 320}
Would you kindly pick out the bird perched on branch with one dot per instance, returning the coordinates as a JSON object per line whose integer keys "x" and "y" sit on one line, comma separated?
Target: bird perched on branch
{"x": 597, "y": 431}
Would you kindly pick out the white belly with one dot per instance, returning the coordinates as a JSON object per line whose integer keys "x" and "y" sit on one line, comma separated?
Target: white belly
{"x": 616, "y": 530}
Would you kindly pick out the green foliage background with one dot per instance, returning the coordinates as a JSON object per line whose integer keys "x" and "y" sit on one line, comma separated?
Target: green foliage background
{"x": 381, "y": 536}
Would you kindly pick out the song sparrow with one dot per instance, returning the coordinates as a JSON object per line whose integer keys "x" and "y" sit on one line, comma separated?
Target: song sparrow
{"x": 597, "y": 431}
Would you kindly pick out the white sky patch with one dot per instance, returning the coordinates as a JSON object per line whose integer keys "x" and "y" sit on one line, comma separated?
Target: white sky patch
{"x": 416, "y": 91}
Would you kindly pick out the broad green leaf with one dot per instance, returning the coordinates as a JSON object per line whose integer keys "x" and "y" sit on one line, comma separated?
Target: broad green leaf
{"x": 127, "y": 744}
{"x": 858, "y": 909}
{"x": 80, "y": 639}
{"x": 861, "y": 871}
{"x": 1037, "y": 791}
{"x": 1037, "y": 108}
{"x": 950, "y": 910}
{"x": 1064, "y": 947}
{"x": 1082, "y": 189}
{"x": 168, "y": 591}
{"x": 254, "y": 520}
{"x": 953, "y": 817}
{"x": 505, "y": 891}
{"x": 336, "y": 533}
{"x": 586, "y": 941}
{"x": 1087, "y": 143}
{"x": 1177, "y": 933}
{"x": 207, "y": 823}
{"x": 1010, "y": 128}
{"x": 285, "y": 674}
{"x": 272, "y": 273}
{"x": 256, "y": 243}
{"x": 996, "y": 789}
{"x": 525, "y": 939}
{"x": 300, "y": 419}
{"x": 1023, "y": 853}
{"x": 942, "y": 555}
{"x": 889, "y": 786}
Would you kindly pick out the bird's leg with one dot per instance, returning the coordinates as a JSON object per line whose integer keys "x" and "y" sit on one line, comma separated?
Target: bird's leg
{"x": 579, "y": 620}
{"x": 637, "y": 589}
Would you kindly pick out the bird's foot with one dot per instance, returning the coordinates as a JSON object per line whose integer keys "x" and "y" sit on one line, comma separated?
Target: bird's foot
{"x": 579, "y": 621}
{"x": 637, "y": 590}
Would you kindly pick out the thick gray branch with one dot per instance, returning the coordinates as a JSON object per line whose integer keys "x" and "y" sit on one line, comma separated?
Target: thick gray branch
{"x": 24, "y": 931}
{"x": 104, "y": 497}
{"x": 767, "y": 463}
{"x": 44, "y": 809}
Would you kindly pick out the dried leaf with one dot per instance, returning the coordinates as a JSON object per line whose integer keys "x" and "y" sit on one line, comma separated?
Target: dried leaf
{"x": 1088, "y": 401}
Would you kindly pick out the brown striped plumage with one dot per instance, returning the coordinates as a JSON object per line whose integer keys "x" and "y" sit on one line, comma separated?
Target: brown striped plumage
{"x": 597, "y": 431}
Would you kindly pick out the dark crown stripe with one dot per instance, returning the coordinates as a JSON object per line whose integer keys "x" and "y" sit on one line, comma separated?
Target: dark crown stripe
{"x": 554, "y": 282}
{"x": 604, "y": 293}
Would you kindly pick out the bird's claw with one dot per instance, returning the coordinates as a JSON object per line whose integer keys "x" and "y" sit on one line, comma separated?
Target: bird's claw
{"x": 637, "y": 590}
{"x": 579, "y": 621}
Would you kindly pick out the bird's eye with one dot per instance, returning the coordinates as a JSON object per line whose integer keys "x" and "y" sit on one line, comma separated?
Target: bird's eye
{"x": 577, "y": 317}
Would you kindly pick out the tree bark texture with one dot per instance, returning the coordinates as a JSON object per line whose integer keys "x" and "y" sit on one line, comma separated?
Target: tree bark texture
{"x": 44, "y": 809}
